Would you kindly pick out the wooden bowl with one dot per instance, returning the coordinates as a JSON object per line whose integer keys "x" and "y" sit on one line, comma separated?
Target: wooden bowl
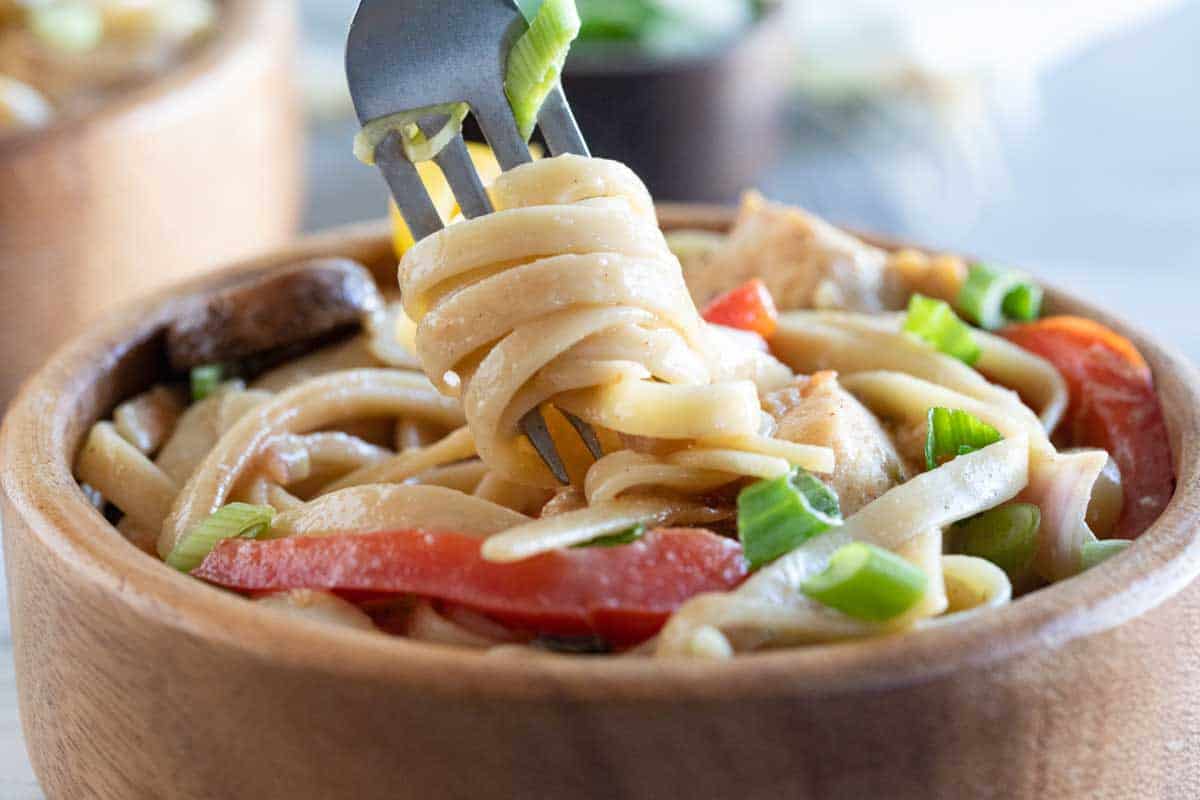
{"x": 136, "y": 681}
{"x": 199, "y": 167}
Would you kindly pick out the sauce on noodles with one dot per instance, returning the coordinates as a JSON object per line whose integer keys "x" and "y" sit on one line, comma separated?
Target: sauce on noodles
{"x": 766, "y": 482}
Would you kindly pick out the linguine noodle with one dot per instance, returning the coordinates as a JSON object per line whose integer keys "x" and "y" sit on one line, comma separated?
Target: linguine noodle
{"x": 568, "y": 299}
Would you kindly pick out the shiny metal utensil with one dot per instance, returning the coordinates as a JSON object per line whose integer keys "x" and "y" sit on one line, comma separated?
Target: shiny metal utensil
{"x": 412, "y": 55}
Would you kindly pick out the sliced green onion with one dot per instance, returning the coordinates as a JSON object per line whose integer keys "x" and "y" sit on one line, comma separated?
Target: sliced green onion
{"x": 417, "y": 146}
{"x": 1024, "y": 303}
{"x": 205, "y": 381}
{"x": 537, "y": 60}
{"x": 935, "y": 322}
{"x": 616, "y": 539}
{"x": 234, "y": 521}
{"x": 992, "y": 298}
{"x": 1098, "y": 552}
{"x": 777, "y": 516}
{"x": 1006, "y": 536}
{"x": 69, "y": 27}
{"x": 954, "y": 433}
{"x": 867, "y": 582}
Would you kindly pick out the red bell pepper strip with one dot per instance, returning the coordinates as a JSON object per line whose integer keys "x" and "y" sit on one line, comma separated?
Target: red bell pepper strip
{"x": 622, "y": 594}
{"x": 749, "y": 307}
{"x": 1113, "y": 406}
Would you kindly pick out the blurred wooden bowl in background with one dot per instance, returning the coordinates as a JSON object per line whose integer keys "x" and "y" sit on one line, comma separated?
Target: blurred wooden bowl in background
{"x": 198, "y": 167}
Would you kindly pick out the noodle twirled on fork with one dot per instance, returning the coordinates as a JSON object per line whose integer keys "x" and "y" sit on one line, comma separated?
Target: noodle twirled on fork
{"x": 878, "y": 478}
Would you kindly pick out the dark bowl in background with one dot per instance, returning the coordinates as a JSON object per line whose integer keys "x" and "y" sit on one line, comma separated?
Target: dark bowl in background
{"x": 698, "y": 128}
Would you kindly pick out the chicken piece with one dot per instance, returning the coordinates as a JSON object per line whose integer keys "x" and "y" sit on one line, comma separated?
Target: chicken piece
{"x": 804, "y": 261}
{"x": 817, "y": 410}
{"x": 695, "y": 248}
{"x": 909, "y": 439}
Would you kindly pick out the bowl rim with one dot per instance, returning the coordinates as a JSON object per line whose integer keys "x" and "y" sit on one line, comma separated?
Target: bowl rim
{"x": 239, "y": 25}
{"x": 41, "y": 490}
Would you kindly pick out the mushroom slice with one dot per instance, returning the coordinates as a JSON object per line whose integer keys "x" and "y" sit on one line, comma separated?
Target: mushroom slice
{"x": 300, "y": 303}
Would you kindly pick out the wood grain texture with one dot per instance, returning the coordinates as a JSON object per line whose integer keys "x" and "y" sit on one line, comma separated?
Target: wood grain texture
{"x": 197, "y": 168}
{"x": 137, "y": 682}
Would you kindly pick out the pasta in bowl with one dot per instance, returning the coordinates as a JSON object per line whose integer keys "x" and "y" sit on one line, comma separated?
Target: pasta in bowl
{"x": 812, "y": 721}
{"x": 845, "y": 469}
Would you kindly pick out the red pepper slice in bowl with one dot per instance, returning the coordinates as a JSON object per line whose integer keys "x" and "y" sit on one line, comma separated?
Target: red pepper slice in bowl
{"x": 1113, "y": 406}
{"x": 622, "y": 594}
{"x": 749, "y": 307}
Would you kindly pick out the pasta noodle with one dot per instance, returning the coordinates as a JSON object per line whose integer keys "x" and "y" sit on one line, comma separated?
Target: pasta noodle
{"x": 395, "y": 459}
{"x": 849, "y": 343}
{"x": 972, "y": 585}
{"x": 311, "y": 405}
{"x": 382, "y": 507}
{"x": 585, "y": 306}
{"x": 121, "y": 473}
{"x": 319, "y": 607}
{"x": 770, "y": 605}
{"x": 147, "y": 420}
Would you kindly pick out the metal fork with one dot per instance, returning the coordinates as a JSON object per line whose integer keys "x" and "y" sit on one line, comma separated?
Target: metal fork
{"x": 410, "y": 55}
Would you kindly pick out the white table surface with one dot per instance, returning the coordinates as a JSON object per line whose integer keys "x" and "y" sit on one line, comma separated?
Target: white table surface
{"x": 1106, "y": 199}
{"x": 16, "y": 776}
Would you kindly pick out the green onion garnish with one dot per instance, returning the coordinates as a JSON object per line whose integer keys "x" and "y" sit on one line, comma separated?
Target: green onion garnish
{"x": 1097, "y": 552}
{"x": 1024, "y": 303}
{"x": 69, "y": 27}
{"x": 954, "y": 433}
{"x": 1006, "y": 536}
{"x": 234, "y": 521}
{"x": 777, "y": 516}
{"x": 616, "y": 539}
{"x": 537, "y": 60}
{"x": 205, "y": 381}
{"x": 868, "y": 582}
{"x": 417, "y": 146}
{"x": 991, "y": 298}
{"x": 936, "y": 323}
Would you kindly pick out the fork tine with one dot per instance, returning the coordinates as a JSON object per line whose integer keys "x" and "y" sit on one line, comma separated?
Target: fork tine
{"x": 455, "y": 162}
{"x": 407, "y": 187}
{"x": 496, "y": 121}
{"x": 586, "y": 433}
{"x": 562, "y": 135}
{"x": 533, "y": 425}
{"x": 559, "y": 127}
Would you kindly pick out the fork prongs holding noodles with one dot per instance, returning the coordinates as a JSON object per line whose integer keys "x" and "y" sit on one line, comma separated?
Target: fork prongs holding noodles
{"x": 562, "y": 136}
{"x": 533, "y": 427}
{"x": 388, "y": 43}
